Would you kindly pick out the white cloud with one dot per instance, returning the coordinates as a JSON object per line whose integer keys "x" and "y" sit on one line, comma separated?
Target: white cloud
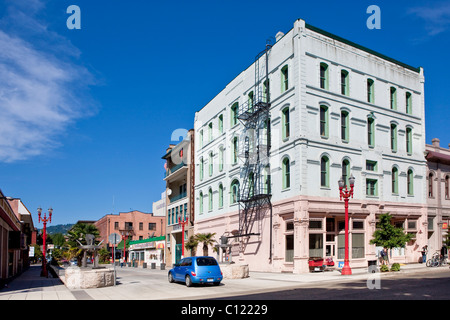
{"x": 436, "y": 17}
{"x": 42, "y": 91}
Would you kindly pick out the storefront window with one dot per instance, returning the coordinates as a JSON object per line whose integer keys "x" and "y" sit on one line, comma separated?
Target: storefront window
{"x": 316, "y": 245}
{"x": 357, "y": 245}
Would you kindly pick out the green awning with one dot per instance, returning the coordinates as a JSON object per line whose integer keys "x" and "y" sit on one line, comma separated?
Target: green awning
{"x": 120, "y": 245}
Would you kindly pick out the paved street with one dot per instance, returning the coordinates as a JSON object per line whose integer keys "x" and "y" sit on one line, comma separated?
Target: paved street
{"x": 413, "y": 282}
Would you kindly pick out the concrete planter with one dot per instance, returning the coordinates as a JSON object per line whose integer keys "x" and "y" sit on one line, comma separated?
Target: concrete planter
{"x": 80, "y": 278}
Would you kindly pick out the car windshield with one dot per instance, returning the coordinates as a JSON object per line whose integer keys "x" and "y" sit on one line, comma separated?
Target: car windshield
{"x": 206, "y": 262}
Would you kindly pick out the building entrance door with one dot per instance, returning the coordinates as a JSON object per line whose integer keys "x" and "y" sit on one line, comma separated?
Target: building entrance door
{"x": 177, "y": 252}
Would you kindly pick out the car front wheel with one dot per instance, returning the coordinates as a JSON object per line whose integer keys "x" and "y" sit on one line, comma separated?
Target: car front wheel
{"x": 171, "y": 277}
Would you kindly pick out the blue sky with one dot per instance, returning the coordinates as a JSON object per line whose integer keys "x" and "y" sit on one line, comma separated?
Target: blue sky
{"x": 87, "y": 114}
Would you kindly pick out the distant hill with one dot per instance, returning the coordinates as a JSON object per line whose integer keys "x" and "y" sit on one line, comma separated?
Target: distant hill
{"x": 59, "y": 228}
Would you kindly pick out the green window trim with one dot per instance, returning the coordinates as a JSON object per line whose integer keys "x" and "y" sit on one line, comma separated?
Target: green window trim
{"x": 286, "y": 173}
{"x": 220, "y": 196}
{"x": 220, "y": 159}
{"x": 201, "y": 168}
{"x": 284, "y": 79}
{"x": 324, "y": 121}
{"x": 235, "y": 151}
{"x": 345, "y": 126}
{"x": 393, "y": 137}
{"x": 210, "y": 200}
{"x": 234, "y": 194}
{"x": 221, "y": 124}
{"x": 345, "y": 82}
{"x": 394, "y": 181}
{"x": 201, "y": 202}
{"x": 285, "y": 119}
{"x": 251, "y": 100}
{"x": 409, "y": 141}
{"x": 210, "y": 132}
{"x": 371, "y": 187}
{"x": 211, "y": 164}
{"x": 323, "y": 76}
{"x": 234, "y": 114}
{"x": 371, "y": 132}
{"x": 266, "y": 91}
{"x": 370, "y": 91}
{"x": 346, "y": 171}
{"x": 408, "y": 97}
{"x": 325, "y": 172}
{"x": 393, "y": 98}
{"x": 410, "y": 182}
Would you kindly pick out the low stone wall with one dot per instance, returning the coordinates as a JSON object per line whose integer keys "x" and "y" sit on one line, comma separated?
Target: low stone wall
{"x": 85, "y": 278}
{"x": 234, "y": 271}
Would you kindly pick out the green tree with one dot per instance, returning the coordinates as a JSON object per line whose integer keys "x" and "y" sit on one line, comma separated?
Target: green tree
{"x": 76, "y": 236}
{"x": 58, "y": 239}
{"x": 191, "y": 245}
{"x": 207, "y": 239}
{"x": 389, "y": 236}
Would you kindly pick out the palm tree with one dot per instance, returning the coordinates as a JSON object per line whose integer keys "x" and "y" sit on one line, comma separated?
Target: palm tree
{"x": 207, "y": 239}
{"x": 76, "y": 235}
{"x": 191, "y": 245}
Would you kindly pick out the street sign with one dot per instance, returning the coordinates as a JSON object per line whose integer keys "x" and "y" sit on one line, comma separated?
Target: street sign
{"x": 114, "y": 238}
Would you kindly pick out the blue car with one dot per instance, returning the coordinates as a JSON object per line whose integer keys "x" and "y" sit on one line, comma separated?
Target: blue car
{"x": 196, "y": 270}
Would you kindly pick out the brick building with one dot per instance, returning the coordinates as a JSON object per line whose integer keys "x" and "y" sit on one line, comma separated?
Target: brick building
{"x": 141, "y": 225}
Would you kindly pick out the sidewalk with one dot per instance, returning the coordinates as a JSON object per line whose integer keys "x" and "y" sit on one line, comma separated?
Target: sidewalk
{"x": 138, "y": 283}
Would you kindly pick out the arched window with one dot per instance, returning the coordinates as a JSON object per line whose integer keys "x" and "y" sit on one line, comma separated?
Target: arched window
{"x": 211, "y": 164}
{"x": 344, "y": 126}
{"x": 447, "y": 187}
{"x": 370, "y": 91}
{"x": 221, "y": 159}
{"x": 408, "y": 141}
{"x": 201, "y": 202}
{"x": 393, "y": 96}
{"x": 410, "y": 182}
{"x": 394, "y": 179}
{"x": 430, "y": 185}
{"x": 324, "y": 76}
{"x": 346, "y": 171}
{"x": 202, "y": 163}
{"x": 324, "y": 121}
{"x": 371, "y": 132}
{"x": 393, "y": 137}
{"x": 234, "y": 191}
{"x": 251, "y": 184}
{"x": 266, "y": 181}
{"x": 250, "y": 101}
{"x": 235, "y": 150}
{"x": 286, "y": 173}
{"x": 324, "y": 172}
{"x": 344, "y": 82}
{"x": 234, "y": 113}
{"x": 220, "y": 195}
{"x": 285, "y": 122}
{"x": 284, "y": 79}
{"x": 210, "y": 199}
{"x": 408, "y": 102}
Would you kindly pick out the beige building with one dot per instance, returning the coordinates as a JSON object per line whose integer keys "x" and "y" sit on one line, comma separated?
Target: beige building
{"x": 438, "y": 194}
{"x": 179, "y": 177}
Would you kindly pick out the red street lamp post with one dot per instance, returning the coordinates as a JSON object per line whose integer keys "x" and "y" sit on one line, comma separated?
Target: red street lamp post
{"x": 44, "y": 220}
{"x": 346, "y": 194}
{"x": 183, "y": 223}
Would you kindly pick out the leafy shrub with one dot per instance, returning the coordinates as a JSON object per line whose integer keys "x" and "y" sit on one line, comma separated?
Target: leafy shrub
{"x": 384, "y": 268}
{"x": 395, "y": 267}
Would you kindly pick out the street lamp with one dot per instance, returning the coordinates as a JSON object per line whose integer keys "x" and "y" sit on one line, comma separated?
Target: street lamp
{"x": 44, "y": 220}
{"x": 346, "y": 194}
{"x": 183, "y": 223}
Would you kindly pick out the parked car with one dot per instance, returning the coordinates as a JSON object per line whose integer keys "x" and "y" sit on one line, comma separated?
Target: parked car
{"x": 196, "y": 270}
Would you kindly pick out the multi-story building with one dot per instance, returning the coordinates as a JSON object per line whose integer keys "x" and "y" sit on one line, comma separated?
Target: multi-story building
{"x": 16, "y": 227}
{"x": 438, "y": 194}
{"x": 136, "y": 225}
{"x": 179, "y": 178}
{"x": 328, "y": 108}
